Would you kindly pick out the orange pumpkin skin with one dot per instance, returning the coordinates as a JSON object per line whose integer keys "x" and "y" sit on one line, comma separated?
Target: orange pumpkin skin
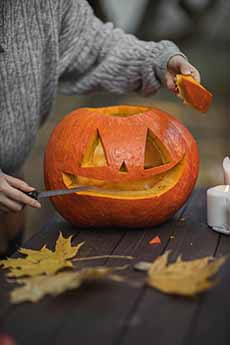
{"x": 123, "y": 131}
{"x": 193, "y": 93}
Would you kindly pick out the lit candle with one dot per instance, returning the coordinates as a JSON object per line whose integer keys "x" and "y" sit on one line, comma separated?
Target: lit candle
{"x": 218, "y": 203}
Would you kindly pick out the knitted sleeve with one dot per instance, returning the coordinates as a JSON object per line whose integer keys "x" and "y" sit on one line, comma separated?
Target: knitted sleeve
{"x": 96, "y": 56}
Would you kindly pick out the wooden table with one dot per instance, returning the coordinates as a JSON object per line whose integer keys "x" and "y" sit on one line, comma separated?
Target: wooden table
{"x": 112, "y": 313}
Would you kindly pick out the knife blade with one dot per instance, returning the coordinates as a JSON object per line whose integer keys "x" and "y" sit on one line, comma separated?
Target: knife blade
{"x": 57, "y": 192}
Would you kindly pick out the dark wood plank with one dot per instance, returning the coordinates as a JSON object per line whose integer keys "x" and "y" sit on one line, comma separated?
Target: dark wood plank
{"x": 106, "y": 315}
{"x": 47, "y": 236}
{"x": 42, "y": 319}
{"x": 212, "y": 317}
{"x": 31, "y": 315}
{"x": 212, "y": 321}
{"x": 108, "y": 311}
{"x": 167, "y": 319}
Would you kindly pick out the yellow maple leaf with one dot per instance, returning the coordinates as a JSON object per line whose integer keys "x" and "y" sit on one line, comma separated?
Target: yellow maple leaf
{"x": 36, "y": 255}
{"x": 47, "y": 266}
{"x": 44, "y": 260}
{"x": 35, "y": 288}
{"x": 186, "y": 278}
{"x": 65, "y": 249}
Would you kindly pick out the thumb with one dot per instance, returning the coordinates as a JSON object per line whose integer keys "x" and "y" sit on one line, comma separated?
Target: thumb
{"x": 186, "y": 69}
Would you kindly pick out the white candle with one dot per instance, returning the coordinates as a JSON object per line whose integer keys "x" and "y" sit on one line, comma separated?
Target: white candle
{"x": 226, "y": 167}
{"x": 218, "y": 208}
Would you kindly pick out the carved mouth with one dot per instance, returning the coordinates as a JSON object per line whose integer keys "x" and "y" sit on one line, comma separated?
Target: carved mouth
{"x": 140, "y": 189}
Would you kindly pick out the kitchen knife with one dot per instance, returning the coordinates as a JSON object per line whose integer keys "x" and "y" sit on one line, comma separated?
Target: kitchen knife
{"x": 57, "y": 192}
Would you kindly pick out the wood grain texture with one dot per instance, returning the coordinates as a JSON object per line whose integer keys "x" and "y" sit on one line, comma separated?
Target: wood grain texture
{"x": 119, "y": 314}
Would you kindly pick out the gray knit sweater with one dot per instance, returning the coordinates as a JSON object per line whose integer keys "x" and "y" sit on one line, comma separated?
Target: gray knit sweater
{"x": 46, "y": 43}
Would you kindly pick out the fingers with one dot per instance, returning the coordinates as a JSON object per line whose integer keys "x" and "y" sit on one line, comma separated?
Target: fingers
{"x": 188, "y": 69}
{"x": 170, "y": 82}
{"x": 21, "y": 197}
{"x": 3, "y": 209}
{"x": 12, "y": 194}
{"x": 179, "y": 65}
{"x": 19, "y": 184}
{"x": 196, "y": 75}
{"x": 8, "y": 205}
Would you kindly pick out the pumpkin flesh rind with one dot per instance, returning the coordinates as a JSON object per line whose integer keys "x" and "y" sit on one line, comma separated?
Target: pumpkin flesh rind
{"x": 193, "y": 93}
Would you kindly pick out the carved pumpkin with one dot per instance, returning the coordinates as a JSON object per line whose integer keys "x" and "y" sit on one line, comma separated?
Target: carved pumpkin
{"x": 193, "y": 93}
{"x": 144, "y": 161}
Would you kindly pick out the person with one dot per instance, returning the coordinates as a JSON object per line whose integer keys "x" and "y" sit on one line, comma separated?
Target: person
{"x": 46, "y": 45}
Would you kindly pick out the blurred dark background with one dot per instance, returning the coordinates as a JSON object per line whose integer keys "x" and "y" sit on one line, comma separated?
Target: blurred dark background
{"x": 201, "y": 28}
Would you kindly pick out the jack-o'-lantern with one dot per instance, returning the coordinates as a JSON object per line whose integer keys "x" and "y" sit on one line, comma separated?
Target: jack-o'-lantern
{"x": 143, "y": 161}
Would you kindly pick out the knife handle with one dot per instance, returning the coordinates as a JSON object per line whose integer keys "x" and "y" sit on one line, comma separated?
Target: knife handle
{"x": 33, "y": 194}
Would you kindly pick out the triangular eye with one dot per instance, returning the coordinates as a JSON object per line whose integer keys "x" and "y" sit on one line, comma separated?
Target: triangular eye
{"x": 155, "y": 153}
{"x": 123, "y": 167}
{"x": 95, "y": 153}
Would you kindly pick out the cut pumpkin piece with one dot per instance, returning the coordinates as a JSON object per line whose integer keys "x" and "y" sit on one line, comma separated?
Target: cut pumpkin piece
{"x": 193, "y": 93}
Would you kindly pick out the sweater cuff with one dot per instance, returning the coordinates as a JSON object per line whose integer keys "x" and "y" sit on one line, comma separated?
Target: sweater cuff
{"x": 156, "y": 63}
{"x": 167, "y": 51}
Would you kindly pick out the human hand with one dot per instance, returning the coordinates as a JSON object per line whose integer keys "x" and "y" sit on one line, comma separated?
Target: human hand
{"x": 179, "y": 65}
{"x": 12, "y": 198}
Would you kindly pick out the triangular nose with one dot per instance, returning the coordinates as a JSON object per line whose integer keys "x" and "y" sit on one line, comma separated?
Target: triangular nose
{"x": 123, "y": 167}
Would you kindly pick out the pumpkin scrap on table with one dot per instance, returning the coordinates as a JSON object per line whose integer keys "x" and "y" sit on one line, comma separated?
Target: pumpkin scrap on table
{"x": 155, "y": 240}
{"x": 143, "y": 160}
{"x": 193, "y": 93}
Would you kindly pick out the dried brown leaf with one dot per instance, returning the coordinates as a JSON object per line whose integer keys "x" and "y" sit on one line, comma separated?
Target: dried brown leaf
{"x": 186, "y": 278}
{"x": 35, "y": 288}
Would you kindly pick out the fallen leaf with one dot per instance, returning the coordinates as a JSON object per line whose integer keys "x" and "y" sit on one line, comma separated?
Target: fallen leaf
{"x": 47, "y": 266}
{"x": 64, "y": 248}
{"x": 44, "y": 260}
{"x": 155, "y": 240}
{"x": 35, "y": 288}
{"x": 36, "y": 255}
{"x": 186, "y": 278}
